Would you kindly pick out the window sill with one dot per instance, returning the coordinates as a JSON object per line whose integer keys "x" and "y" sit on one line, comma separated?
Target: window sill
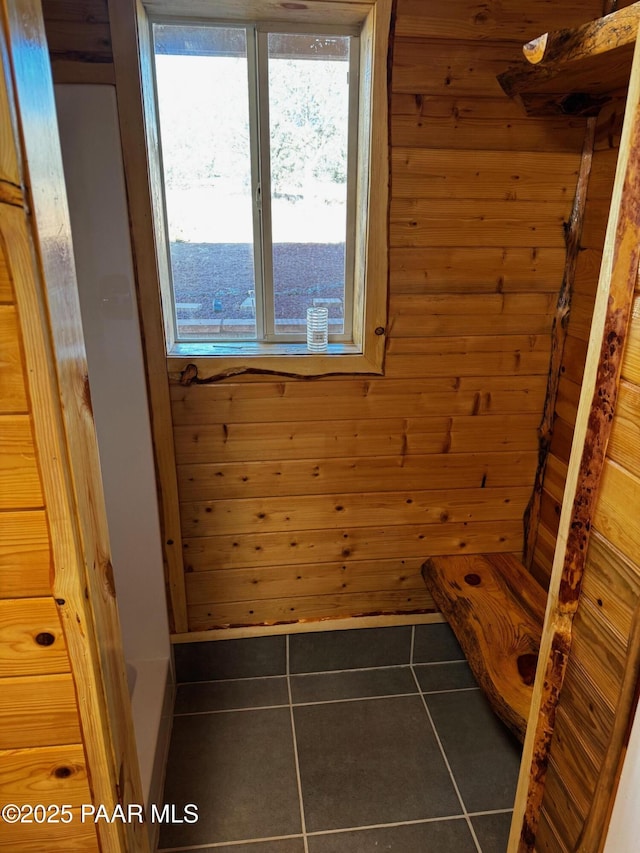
{"x": 216, "y": 361}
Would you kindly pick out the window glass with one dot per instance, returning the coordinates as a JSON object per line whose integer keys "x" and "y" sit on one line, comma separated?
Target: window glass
{"x": 256, "y": 140}
{"x": 308, "y": 132}
{"x": 203, "y": 105}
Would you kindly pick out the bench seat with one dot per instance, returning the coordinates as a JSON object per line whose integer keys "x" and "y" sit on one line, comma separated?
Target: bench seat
{"x": 496, "y": 610}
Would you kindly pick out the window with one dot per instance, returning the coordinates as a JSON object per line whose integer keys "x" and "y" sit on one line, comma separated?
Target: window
{"x": 266, "y": 167}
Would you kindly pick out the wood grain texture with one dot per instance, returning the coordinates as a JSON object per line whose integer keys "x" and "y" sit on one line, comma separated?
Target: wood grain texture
{"x": 229, "y": 480}
{"x": 593, "y": 426}
{"x": 479, "y": 203}
{"x": 491, "y": 175}
{"x": 592, "y": 60}
{"x": 38, "y": 710}
{"x": 47, "y": 775}
{"x": 351, "y": 509}
{"x": 591, "y": 39}
{"x": 561, "y": 321}
{"x": 13, "y": 396}
{"x": 461, "y": 269}
{"x": 31, "y": 638}
{"x": 315, "y": 608}
{"x": 25, "y": 555}
{"x": 496, "y": 611}
{"x": 44, "y": 710}
{"x": 19, "y": 478}
{"x": 356, "y": 398}
{"x": 73, "y": 837}
{"x": 473, "y": 20}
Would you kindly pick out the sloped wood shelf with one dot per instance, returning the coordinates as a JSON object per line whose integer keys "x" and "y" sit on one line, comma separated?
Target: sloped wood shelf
{"x": 496, "y": 610}
{"x": 575, "y": 71}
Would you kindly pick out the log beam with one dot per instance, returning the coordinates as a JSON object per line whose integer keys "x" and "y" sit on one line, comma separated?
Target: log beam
{"x": 575, "y": 71}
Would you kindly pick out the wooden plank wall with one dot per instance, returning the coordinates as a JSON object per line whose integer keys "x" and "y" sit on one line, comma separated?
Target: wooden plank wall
{"x": 321, "y": 498}
{"x": 79, "y": 39}
{"x": 311, "y": 499}
{"x": 603, "y": 168}
{"x": 602, "y": 672}
{"x": 42, "y": 759}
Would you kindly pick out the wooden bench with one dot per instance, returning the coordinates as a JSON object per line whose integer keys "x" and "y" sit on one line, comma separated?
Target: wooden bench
{"x": 496, "y": 610}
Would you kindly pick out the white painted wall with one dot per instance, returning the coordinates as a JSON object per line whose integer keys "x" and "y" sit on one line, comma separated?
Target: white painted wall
{"x": 92, "y": 156}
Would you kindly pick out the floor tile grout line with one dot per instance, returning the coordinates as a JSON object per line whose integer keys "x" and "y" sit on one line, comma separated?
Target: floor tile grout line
{"x": 321, "y": 832}
{"x": 325, "y": 701}
{"x": 303, "y": 824}
{"x": 214, "y": 845}
{"x": 321, "y": 672}
{"x": 448, "y": 766}
{"x": 390, "y": 825}
{"x": 413, "y": 643}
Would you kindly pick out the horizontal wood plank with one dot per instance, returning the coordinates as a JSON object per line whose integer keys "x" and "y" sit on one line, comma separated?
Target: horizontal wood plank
{"x": 457, "y": 269}
{"x": 47, "y": 775}
{"x": 467, "y": 19}
{"x": 80, "y": 12}
{"x": 561, "y": 811}
{"x": 584, "y": 703}
{"x": 31, "y": 638}
{"x": 521, "y": 176}
{"x": 429, "y": 66}
{"x": 6, "y": 286}
{"x": 13, "y": 395}
{"x": 422, "y": 222}
{"x": 88, "y": 43}
{"x": 414, "y": 362}
{"x": 600, "y": 650}
{"x": 25, "y": 554}
{"x": 334, "y": 476}
{"x": 73, "y": 837}
{"x": 467, "y": 131}
{"x": 625, "y": 432}
{"x": 304, "y": 580}
{"x": 460, "y": 305}
{"x": 316, "y": 608}
{"x": 571, "y": 751}
{"x": 277, "y": 401}
{"x": 303, "y": 546}
{"x": 616, "y": 515}
{"x": 38, "y": 711}
{"x": 631, "y": 362}
{"x": 587, "y": 272}
{"x": 567, "y": 400}
{"x": 232, "y": 442}
{"x": 370, "y": 509}
{"x": 19, "y": 478}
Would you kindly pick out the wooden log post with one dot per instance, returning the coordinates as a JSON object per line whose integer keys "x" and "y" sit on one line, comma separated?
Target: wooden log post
{"x": 573, "y": 234}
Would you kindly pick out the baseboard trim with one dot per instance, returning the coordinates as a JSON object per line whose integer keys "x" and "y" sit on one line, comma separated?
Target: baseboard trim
{"x": 378, "y": 621}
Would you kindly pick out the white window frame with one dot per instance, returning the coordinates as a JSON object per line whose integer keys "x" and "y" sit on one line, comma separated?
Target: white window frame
{"x": 364, "y": 353}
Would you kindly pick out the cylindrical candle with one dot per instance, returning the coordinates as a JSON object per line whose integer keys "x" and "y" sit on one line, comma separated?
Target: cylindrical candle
{"x": 317, "y": 329}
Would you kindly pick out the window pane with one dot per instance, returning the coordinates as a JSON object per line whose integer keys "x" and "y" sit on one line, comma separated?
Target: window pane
{"x": 308, "y": 126}
{"x": 203, "y": 103}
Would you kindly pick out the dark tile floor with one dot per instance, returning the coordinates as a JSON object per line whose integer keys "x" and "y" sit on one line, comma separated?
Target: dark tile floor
{"x": 337, "y": 742}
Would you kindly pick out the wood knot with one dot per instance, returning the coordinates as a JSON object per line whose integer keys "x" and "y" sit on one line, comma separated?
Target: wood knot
{"x": 63, "y": 772}
{"x": 109, "y": 579}
{"x": 527, "y": 668}
{"x": 86, "y": 393}
{"x": 45, "y": 639}
{"x": 188, "y": 375}
{"x": 473, "y": 579}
